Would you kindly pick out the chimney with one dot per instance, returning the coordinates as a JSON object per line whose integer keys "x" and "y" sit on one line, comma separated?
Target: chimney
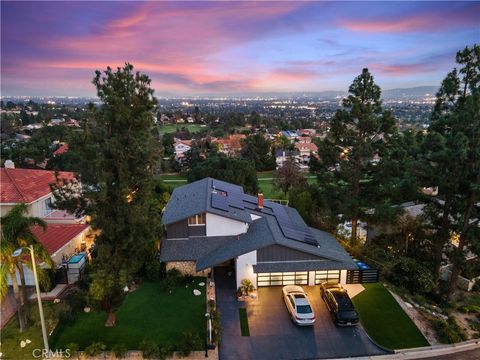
{"x": 9, "y": 164}
{"x": 260, "y": 201}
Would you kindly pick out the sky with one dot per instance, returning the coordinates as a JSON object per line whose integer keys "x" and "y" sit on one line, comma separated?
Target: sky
{"x": 228, "y": 48}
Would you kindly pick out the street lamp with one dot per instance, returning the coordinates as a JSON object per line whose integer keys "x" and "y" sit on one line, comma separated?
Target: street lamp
{"x": 17, "y": 253}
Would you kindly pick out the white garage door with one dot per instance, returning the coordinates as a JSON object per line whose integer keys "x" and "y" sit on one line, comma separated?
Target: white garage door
{"x": 327, "y": 275}
{"x": 282, "y": 278}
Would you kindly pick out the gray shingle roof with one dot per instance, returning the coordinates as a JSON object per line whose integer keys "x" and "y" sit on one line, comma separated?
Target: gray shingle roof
{"x": 193, "y": 248}
{"x": 196, "y": 197}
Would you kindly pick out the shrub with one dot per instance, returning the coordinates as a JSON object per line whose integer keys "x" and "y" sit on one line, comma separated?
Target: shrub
{"x": 449, "y": 332}
{"x": 211, "y": 304}
{"x": 149, "y": 349}
{"x": 412, "y": 275}
{"x": 247, "y": 286}
{"x": 73, "y": 348}
{"x": 152, "y": 270}
{"x": 187, "y": 279}
{"x": 216, "y": 326}
{"x": 165, "y": 352}
{"x": 189, "y": 342}
{"x": 119, "y": 350}
{"x": 171, "y": 280}
{"x": 470, "y": 309}
{"x": 77, "y": 299}
{"x": 63, "y": 312}
{"x": 95, "y": 348}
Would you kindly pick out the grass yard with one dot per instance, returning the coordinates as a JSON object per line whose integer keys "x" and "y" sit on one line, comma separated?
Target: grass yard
{"x": 265, "y": 183}
{"x": 11, "y": 336}
{"x": 385, "y": 321}
{"x": 146, "y": 314}
{"x": 245, "y": 330}
{"x": 171, "y": 128}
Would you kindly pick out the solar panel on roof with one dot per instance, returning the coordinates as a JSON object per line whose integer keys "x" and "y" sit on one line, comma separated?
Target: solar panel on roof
{"x": 295, "y": 231}
{"x": 219, "y": 202}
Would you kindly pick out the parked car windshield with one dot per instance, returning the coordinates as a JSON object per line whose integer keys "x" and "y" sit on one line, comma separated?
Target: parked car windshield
{"x": 352, "y": 314}
{"x": 343, "y": 301}
{"x": 304, "y": 309}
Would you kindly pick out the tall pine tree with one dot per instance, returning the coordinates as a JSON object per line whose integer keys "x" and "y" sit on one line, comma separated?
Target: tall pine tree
{"x": 357, "y": 133}
{"x": 452, "y": 161}
{"x": 119, "y": 156}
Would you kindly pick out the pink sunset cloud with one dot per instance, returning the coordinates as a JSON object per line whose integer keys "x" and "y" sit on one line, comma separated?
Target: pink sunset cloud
{"x": 433, "y": 20}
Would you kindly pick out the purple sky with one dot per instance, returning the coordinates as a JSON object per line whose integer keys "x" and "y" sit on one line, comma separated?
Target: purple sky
{"x": 53, "y": 48}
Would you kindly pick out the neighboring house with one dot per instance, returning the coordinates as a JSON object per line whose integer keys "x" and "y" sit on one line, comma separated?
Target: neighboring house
{"x": 305, "y": 150}
{"x": 410, "y": 209}
{"x": 181, "y": 147}
{"x": 65, "y": 234}
{"x": 291, "y": 135}
{"x": 281, "y": 156}
{"x": 62, "y": 149}
{"x": 210, "y": 223}
{"x": 231, "y": 145}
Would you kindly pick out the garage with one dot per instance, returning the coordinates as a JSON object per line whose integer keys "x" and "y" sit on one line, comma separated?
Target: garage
{"x": 282, "y": 278}
{"x": 327, "y": 275}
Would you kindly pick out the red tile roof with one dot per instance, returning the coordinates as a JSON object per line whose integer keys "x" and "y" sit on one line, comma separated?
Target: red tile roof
{"x": 57, "y": 235}
{"x": 61, "y": 150}
{"x": 306, "y": 147}
{"x": 27, "y": 185}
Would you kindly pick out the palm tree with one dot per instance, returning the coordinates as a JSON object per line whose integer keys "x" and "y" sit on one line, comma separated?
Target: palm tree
{"x": 17, "y": 232}
{"x": 8, "y": 267}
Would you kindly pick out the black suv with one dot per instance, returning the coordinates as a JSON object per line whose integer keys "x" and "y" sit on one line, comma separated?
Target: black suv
{"x": 339, "y": 304}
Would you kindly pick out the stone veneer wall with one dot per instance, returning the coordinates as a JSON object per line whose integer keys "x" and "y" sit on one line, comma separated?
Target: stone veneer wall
{"x": 186, "y": 268}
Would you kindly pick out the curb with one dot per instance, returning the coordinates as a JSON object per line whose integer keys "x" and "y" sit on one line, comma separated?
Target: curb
{"x": 423, "y": 352}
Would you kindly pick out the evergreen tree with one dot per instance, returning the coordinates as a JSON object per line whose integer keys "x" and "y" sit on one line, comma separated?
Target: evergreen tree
{"x": 258, "y": 149}
{"x": 452, "y": 161}
{"x": 233, "y": 170}
{"x": 119, "y": 156}
{"x": 357, "y": 133}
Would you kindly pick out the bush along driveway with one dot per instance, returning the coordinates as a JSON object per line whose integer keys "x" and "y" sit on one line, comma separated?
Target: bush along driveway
{"x": 385, "y": 321}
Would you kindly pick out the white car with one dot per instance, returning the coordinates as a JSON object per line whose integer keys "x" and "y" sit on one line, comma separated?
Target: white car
{"x": 298, "y": 305}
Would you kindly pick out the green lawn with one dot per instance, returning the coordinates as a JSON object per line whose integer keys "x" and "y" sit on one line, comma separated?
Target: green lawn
{"x": 146, "y": 314}
{"x": 385, "y": 321}
{"x": 11, "y": 336}
{"x": 265, "y": 183}
{"x": 170, "y": 128}
{"x": 244, "y": 329}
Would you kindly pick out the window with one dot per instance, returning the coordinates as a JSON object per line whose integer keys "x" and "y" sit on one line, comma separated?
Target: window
{"x": 47, "y": 207}
{"x": 197, "y": 220}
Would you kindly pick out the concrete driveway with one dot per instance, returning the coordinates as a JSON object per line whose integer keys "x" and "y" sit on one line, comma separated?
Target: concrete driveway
{"x": 274, "y": 336}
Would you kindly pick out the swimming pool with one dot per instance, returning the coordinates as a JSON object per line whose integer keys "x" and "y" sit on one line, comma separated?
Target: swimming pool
{"x": 75, "y": 259}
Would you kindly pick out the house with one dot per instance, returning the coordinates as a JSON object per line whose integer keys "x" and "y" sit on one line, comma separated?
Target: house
{"x": 281, "y": 156}
{"x": 66, "y": 235}
{"x": 291, "y": 135}
{"x": 211, "y": 223}
{"x": 181, "y": 147}
{"x": 62, "y": 149}
{"x": 305, "y": 150}
{"x": 231, "y": 145}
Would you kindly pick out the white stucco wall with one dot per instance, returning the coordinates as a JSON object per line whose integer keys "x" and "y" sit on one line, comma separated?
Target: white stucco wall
{"x": 244, "y": 267}
{"x": 69, "y": 248}
{"x": 222, "y": 226}
{"x": 343, "y": 277}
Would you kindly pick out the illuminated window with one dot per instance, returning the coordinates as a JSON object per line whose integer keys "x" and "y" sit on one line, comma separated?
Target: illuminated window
{"x": 197, "y": 220}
